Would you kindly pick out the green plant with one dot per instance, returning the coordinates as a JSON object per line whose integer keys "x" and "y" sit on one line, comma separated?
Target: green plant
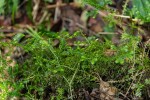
{"x": 11, "y": 7}
{"x": 141, "y": 10}
{"x": 72, "y": 67}
{"x": 59, "y": 71}
{"x": 2, "y": 3}
{"x": 99, "y": 4}
{"x": 3, "y": 83}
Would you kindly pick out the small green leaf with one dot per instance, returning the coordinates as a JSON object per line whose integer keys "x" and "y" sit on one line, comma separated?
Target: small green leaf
{"x": 131, "y": 70}
{"x": 18, "y": 37}
{"x": 147, "y": 81}
{"x": 94, "y": 61}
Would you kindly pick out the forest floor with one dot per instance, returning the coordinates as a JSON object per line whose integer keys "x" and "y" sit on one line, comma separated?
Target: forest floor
{"x": 59, "y": 17}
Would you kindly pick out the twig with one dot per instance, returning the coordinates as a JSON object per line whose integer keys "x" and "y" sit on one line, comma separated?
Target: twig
{"x": 124, "y": 95}
{"x": 129, "y": 88}
{"x": 57, "y": 10}
{"x": 99, "y": 33}
{"x": 123, "y": 16}
{"x": 115, "y": 15}
{"x": 11, "y": 31}
{"x": 45, "y": 14}
{"x": 35, "y": 8}
{"x": 118, "y": 81}
{"x": 22, "y": 4}
{"x": 125, "y": 6}
{"x": 61, "y": 5}
{"x": 98, "y": 77}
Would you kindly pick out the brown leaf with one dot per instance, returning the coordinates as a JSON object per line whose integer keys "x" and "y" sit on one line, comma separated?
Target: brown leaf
{"x": 110, "y": 52}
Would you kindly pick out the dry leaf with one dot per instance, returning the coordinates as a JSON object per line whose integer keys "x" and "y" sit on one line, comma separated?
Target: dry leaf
{"x": 110, "y": 52}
